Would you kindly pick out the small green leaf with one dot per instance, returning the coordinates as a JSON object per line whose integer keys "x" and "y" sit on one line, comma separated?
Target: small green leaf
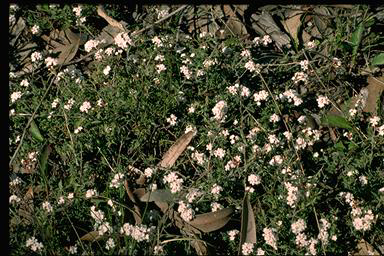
{"x": 356, "y": 37}
{"x": 34, "y": 130}
{"x": 378, "y": 60}
{"x": 336, "y": 121}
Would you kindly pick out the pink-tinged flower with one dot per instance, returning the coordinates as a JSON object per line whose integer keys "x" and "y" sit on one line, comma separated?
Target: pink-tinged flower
{"x": 85, "y": 107}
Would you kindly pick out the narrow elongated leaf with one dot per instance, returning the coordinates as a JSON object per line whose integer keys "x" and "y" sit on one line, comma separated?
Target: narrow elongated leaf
{"x": 336, "y": 121}
{"x": 91, "y": 236}
{"x": 159, "y": 195}
{"x": 211, "y": 221}
{"x": 248, "y": 224}
{"x": 176, "y": 149}
{"x": 378, "y": 60}
{"x": 356, "y": 37}
{"x": 35, "y": 132}
{"x": 44, "y": 158}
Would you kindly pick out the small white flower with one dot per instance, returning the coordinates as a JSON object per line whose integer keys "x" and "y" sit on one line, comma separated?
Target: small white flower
{"x": 35, "y": 29}
{"x": 15, "y": 96}
{"x": 304, "y": 64}
{"x": 72, "y": 249}
{"x": 172, "y": 120}
{"x": 50, "y": 62}
{"x": 33, "y": 244}
{"x": 254, "y": 179}
{"x": 247, "y": 248}
{"x": 14, "y": 199}
{"x": 110, "y": 244}
{"x": 61, "y": 200}
{"x": 78, "y": 129}
{"x": 274, "y": 118}
{"x": 148, "y": 172}
{"x": 90, "y": 193}
{"x": 85, "y": 107}
{"x": 322, "y": 101}
{"x": 232, "y": 234}
{"x": 47, "y": 207}
{"x": 106, "y": 70}
{"x": 311, "y": 45}
{"x": 374, "y": 121}
{"x": 36, "y": 56}
{"x": 70, "y": 195}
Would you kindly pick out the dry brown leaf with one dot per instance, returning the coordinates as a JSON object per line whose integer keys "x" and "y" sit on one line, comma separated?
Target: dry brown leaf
{"x": 176, "y": 149}
{"x": 234, "y": 24}
{"x": 364, "y": 248}
{"x": 292, "y": 24}
{"x": 248, "y": 224}
{"x": 91, "y": 236}
{"x": 66, "y": 42}
{"x": 159, "y": 195}
{"x": 114, "y": 23}
{"x": 139, "y": 192}
{"x": 132, "y": 197}
{"x": 208, "y": 222}
{"x": 375, "y": 89}
{"x": 200, "y": 247}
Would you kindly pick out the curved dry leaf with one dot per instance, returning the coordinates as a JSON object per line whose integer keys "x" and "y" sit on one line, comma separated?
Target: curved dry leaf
{"x": 176, "y": 149}
{"x": 200, "y": 247}
{"x": 292, "y": 24}
{"x": 66, "y": 42}
{"x": 159, "y": 195}
{"x": 101, "y": 12}
{"x": 208, "y": 222}
{"x": 139, "y": 192}
{"x": 91, "y": 236}
{"x": 248, "y": 224}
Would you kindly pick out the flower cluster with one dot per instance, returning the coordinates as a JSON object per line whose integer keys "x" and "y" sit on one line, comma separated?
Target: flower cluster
{"x": 139, "y": 232}
{"x": 270, "y": 237}
{"x": 117, "y": 180}
{"x": 173, "y": 181}
{"x": 219, "y": 110}
{"x": 34, "y": 244}
{"x": 186, "y": 211}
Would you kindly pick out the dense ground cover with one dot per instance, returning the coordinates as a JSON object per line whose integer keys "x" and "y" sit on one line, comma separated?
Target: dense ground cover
{"x": 160, "y": 141}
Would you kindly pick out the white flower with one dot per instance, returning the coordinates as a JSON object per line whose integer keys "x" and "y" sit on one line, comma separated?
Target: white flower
{"x": 270, "y": 237}
{"x": 148, "y": 172}
{"x": 77, "y": 10}
{"x": 72, "y": 249}
{"x": 91, "y": 44}
{"x": 110, "y": 244}
{"x": 55, "y": 103}
{"x": 381, "y": 130}
{"x": 253, "y": 67}
{"x": 122, "y": 40}
{"x": 299, "y": 76}
{"x": 15, "y": 96}
{"x": 352, "y": 112}
{"x": 61, "y": 200}
{"x": 304, "y": 64}
{"x": 16, "y": 181}
{"x": 50, "y": 62}
{"x": 158, "y": 249}
{"x": 14, "y": 199}
{"x": 245, "y": 53}
{"x": 98, "y": 215}
{"x": 70, "y": 195}
{"x": 160, "y": 68}
{"x": 85, "y": 107}
{"x": 220, "y": 153}
{"x": 216, "y": 189}
{"x": 90, "y": 193}
{"x": 247, "y": 248}
{"x": 274, "y": 118}
{"x": 78, "y": 129}
{"x": 232, "y": 234}
{"x": 117, "y": 180}
{"x": 160, "y": 58}
{"x": 36, "y": 56}
{"x": 33, "y": 244}
{"x": 363, "y": 179}
{"x": 106, "y": 70}
{"x": 322, "y": 101}
{"x": 172, "y": 120}
{"x": 374, "y": 121}
{"x": 216, "y": 206}
{"x": 336, "y": 62}
{"x": 298, "y": 226}
{"x": 186, "y": 211}
{"x": 301, "y": 119}
{"x": 311, "y": 45}
{"x": 266, "y": 40}
{"x": 219, "y": 110}
{"x": 260, "y": 251}
{"x": 35, "y": 29}
{"x": 157, "y": 41}
{"x": 191, "y": 109}
{"x": 254, "y": 179}
{"x": 47, "y": 207}
{"x": 104, "y": 228}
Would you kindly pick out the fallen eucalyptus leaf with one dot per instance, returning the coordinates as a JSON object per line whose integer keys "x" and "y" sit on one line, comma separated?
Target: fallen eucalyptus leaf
{"x": 336, "y": 121}
{"x": 248, "y": 224}
{"x": 159, "y": 195}
{"x": 176, "y": 149}
{"x": 211, "y": 221}
{"x": 91, "y": 236}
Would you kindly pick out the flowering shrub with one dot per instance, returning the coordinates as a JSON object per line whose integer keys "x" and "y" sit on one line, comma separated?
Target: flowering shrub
{"x": 316, "y": 186}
